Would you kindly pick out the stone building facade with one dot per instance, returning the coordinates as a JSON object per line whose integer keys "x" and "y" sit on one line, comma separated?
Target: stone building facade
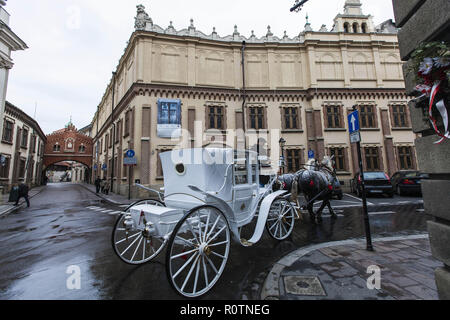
{"x": 9, "y": 42}
{"x": 21, "y": 149}
{"x": 422, "y": 21}
{"x": 299, "y": 88}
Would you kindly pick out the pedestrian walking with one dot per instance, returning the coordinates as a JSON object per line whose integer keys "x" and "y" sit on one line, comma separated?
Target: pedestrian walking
{"x": 23, "y": 192}
{"x": 102, "y": 185}
{"x": 97, "y": 184}
{"x": 107, "y": 186}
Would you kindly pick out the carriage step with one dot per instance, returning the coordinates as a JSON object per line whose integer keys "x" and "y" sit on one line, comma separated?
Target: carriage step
{"x": 246, "y": 243}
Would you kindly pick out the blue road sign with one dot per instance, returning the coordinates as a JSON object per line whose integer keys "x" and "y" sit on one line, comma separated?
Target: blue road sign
{"x": 130, "y": 161}
{"x": 104, "y": 167}
{"x": 130, "y": 153}
{"x": 311, "y": 154}
{"x": 353, "y": 122}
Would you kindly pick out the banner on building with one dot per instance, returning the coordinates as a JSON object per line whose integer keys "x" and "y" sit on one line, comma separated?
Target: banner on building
{"x": 169, "y": 118}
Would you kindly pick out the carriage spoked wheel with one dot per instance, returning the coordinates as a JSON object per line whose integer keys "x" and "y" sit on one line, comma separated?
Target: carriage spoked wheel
{"x": 198, "y": 251}
{"x": 135, "y": 246}
{"x": 280, "y": 221}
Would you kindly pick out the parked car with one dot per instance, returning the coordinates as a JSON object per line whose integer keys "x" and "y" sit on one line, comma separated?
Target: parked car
{"x": 408, "y": 182}
{"x": 375, "y": 183}
{"x": 337, "y": 189}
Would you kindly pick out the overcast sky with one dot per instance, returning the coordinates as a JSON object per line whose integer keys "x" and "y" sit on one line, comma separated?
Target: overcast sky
{"x": 74, "y": 45}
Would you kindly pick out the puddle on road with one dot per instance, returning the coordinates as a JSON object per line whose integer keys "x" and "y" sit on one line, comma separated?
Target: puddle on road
{"x": 48, "y": 282}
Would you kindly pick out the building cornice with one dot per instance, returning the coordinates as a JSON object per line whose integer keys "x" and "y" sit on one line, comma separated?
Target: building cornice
{"x": 15, "y": 112}
{"x": 252, "y": 95}
{"x": 11, "y": 39}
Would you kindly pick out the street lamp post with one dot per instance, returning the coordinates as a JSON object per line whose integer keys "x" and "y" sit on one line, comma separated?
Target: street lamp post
{"x": 113, "y": 133}
{"x": 282, "y": 143}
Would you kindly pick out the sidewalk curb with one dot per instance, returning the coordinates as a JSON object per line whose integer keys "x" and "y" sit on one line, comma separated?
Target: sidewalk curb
{"x": 20, "y": 206}
{"x": 270, "y": 289}
{"x": 102, "y": 197}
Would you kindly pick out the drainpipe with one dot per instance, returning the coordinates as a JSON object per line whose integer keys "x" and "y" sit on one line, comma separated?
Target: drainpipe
{"x": 244, "y": 94}
{"x": 97, "y": 172}
{"x": 114, "y": 132}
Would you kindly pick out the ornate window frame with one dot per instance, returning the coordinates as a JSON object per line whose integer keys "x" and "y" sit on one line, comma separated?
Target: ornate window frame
{"x": 298, "y": 108}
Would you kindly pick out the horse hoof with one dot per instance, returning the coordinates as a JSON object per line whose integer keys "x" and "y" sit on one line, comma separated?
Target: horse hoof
{"x": 319, "y": 220}
{"x": 334, "y": 216}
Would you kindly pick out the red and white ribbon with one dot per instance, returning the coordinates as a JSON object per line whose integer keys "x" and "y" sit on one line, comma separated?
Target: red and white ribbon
{"x": 442, "y": 110}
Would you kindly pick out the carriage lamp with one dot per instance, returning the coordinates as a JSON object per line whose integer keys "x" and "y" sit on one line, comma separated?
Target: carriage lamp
{"x": 128, "y": 222}
{"x": 149, "y": 230}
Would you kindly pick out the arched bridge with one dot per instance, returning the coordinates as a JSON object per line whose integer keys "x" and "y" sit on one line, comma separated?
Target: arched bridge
{"x": 68, "y": 145}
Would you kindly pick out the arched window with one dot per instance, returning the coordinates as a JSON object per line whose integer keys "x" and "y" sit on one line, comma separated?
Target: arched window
{"x": 355, "y": 28}
{"x": 82, "y": 149}
{"x": 364, "y": 28}
{"x": 56, "y": 147}
{"x": 346, "y": 27}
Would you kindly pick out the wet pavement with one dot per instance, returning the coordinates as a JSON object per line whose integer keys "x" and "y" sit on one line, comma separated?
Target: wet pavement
{"x": 399, "y": 268}
{"x": 68, "y": 225}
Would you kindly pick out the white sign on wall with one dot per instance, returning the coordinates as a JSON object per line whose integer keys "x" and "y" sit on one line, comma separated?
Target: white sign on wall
{"x": 169, "y": 118}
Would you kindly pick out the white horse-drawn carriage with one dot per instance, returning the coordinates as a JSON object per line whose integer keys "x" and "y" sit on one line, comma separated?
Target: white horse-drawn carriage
{"x": 209, "y": 195}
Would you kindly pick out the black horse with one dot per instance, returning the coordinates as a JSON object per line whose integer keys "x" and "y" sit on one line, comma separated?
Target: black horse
{"x": 315, "y": 181}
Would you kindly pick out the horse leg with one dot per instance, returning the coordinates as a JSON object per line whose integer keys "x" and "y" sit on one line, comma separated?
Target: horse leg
{"x": 333, "y": 214}
{"x": 319, "y": 212}
{"x": 294, "y": 198}
{"x": 312, "y": 215}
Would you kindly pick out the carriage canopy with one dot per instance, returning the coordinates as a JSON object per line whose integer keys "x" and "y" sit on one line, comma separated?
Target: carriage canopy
{"x": 209, "y": 169}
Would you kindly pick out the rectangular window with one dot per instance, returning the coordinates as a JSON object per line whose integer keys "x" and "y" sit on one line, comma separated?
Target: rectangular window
{"x": 31, "y": 171}
{"x": 24, "y": 141}
{"x": 117, "y": 135}
{"x": 106, "y": 142}
{"x": 216, "y": 117}
{"x": 291, "y": 118}
{"x": 33, "y": 143}
{"x": 333, "y": 117}
{"x": 8, "y": 131}
{"x": 293, "y": 160}
{"x": 127, "y": 124}
{"x": 240, "y": 168}
{"x": 372, "y": 158}
{"x": 399, "y": 116}
{"x": 405, "y": 158}
{"x": 367, "y": 115}
{"x": 4, "y": 167}
{"x": 22, "y": 164}
{"x": 339, "y": 158}
{"x": 256, "y": 118}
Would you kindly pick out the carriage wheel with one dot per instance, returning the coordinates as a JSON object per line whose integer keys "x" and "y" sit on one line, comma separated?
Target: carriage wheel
{"x": 146, "y": 201}
{"x": 136, "y": 247}
{"x": 280, "y": 221}
{"x": 198, "y": 251}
